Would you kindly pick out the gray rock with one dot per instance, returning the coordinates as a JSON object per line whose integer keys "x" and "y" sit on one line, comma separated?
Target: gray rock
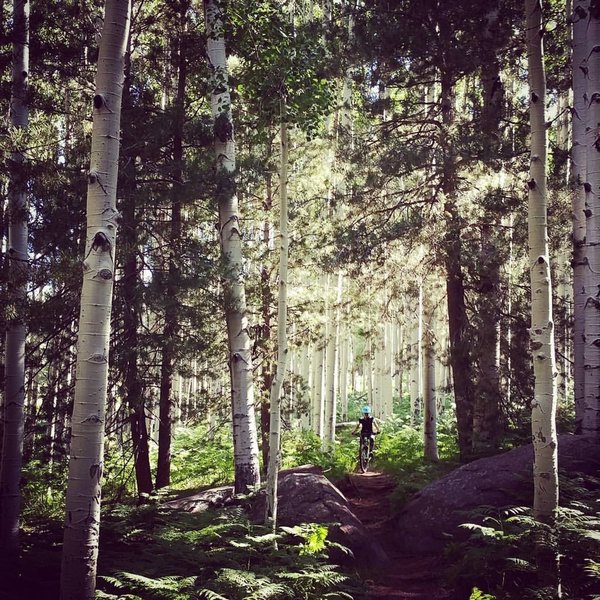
{"x": 306, "y": 496}
{"x": 432, "y": 516}
{"x": 213, "y": 498}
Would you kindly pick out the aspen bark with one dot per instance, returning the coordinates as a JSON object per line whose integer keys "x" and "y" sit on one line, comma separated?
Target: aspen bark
{"x": 240, "y": 356}
{"x": 282, "y": 338}
{"x": 591, "y": 406}
{"x": 330, "y": 358}
{"x": 317, "y": 390}
{"x": 429, "y": 395}
{"x": 344, "y": 362}
{"x": 578, "y": 177}
{"x": 14, "y": 365}
{"x": 332, "y": 369}
{"x": 80, "y": 543}
{"x": 543, "y": 420}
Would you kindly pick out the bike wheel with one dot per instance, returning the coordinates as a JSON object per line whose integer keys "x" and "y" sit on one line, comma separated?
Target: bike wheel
{"x": 364, "y": 457}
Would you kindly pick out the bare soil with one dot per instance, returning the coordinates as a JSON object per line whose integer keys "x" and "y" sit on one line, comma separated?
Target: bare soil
{"x": 405, "y": 576}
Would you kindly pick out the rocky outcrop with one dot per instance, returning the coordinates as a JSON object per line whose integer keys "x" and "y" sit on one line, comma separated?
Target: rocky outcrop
{"x": 212, "y": 498}
{"x": 433, "y": 515}
{"x": 306, "y": 496}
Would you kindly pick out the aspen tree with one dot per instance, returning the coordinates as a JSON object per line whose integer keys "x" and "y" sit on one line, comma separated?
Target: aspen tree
{"x": 333, "y": 352}
{"x": 14, "y": 365}
{"x": 330, "y": 358}
{"x": 344, "y": 365}
{"x": 282, "y": 338}
{"x": 591, "y": 408}
{"x": 240, "y": 357}
{"x": 317, "y": 359}
{"x": 578, "y": 177}
{"x": 543, "y": 419}
{"x": 416, "y": 379}
{"x": 429, "y": 396}
{"x": 80, "y": 543}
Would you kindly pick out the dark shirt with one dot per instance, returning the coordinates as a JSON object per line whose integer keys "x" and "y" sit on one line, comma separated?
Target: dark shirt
{"x": 366, "y": 426}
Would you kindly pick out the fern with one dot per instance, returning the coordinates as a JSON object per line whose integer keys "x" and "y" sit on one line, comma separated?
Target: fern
{"x": 498, "y": 555}
{"x": 210, "y": 595}
{"x": 163, "y": 588}
{"x": 271, "y": 590}
{"x": 477, "y": 594}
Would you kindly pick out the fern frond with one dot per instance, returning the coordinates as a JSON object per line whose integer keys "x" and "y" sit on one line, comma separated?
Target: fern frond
{"x": 206, "y": 594}
{"x": 486, "y": 532}
{"x": 592, "y": 568}
{"x": 261, "y": 539}
{"x": 521, "y": 564}
{"x": 513, "y": 511}
{"x": 271, "y": 590}
{"x": 114, "y": 581}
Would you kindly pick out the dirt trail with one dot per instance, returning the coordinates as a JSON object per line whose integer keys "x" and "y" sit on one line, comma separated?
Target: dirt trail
{"x": 406, "y": 576}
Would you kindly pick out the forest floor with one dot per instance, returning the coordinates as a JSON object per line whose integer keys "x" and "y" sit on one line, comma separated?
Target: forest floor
{"x": 406, "y": 576}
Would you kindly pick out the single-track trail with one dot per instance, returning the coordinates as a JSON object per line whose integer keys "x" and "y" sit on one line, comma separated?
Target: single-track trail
{"x": 406, "y": 576}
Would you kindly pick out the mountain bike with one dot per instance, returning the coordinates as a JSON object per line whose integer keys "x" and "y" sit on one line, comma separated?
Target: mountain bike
{"x": 365, "y": 451}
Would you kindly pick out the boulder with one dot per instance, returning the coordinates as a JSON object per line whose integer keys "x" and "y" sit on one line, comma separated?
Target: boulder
{"x": 212, "y": 498}
{"x": 432, "y": 515}
{"x": 306, "y": 496}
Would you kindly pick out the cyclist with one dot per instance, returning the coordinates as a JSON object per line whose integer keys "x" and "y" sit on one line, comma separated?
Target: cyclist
{"x": 367, "y": 427}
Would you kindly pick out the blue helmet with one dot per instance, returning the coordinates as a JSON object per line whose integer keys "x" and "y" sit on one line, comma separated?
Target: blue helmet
{"x": 366, "y": 410}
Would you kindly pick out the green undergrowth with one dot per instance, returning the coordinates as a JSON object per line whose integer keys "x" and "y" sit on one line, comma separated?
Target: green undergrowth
{"x": 304, "y": 447}
{"x": 399, "y": 452}
{"x": 499, "y": 556}
{"x": 149, "y": 553}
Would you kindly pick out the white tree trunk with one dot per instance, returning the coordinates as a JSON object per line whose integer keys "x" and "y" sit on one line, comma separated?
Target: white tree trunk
{"x": 376, "y": 402}
{"x": 282, "y": 341}
{"x": 543, "y": 420}
{"x": 317, "y": 390}
{"x": 330, "y": 360}
{"x": 591, "y": 408}
{"x": 333, "y": 352}
{"x": 578, "y": 177}
{"x": 344, "y": 362}
{"x": 245, "y": 440}
{"x": 14, "y": 365}
{"x": 429, "y": 395}
{"x": 306, "y": 379}
{"x": 416, "y": 378}
{"x": 80, "y": 544}
{"x": 388, "y": 387}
